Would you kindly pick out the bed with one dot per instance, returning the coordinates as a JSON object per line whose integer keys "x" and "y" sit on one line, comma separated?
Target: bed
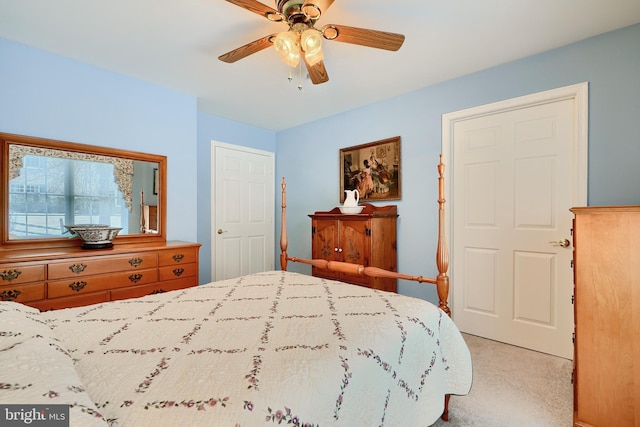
{"x": 270, "y": 348}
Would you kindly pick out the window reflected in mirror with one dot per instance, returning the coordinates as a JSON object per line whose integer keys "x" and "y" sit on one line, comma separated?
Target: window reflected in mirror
{"x": 50, "y": 192}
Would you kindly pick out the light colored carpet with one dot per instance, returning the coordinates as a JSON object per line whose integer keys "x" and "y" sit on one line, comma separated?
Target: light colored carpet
{"x": 511, "y": 387}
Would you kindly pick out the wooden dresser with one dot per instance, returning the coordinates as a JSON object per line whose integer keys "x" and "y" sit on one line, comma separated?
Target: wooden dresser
{"x": 368, "y": 238}
{"x": 50, "y": 279}
{"x": 607, "y": 316}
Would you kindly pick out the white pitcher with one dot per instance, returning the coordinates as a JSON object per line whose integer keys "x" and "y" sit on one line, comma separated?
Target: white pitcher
{"x": 352, "y": 199}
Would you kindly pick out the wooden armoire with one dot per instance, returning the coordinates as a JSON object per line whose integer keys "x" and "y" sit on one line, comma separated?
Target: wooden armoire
{"x": 607, "y": 316}
{"x": 367, "y": 238}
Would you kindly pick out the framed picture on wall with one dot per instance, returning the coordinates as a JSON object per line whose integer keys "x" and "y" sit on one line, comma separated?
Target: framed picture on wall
{"x": 373, "y": 169}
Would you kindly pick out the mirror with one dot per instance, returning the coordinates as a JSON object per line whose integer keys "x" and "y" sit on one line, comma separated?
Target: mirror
{"x": 48, "y": 184}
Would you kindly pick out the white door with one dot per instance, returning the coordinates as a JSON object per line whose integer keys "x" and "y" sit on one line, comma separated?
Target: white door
{"x": 517, "y": 168}
{"x": 242, "y": 228}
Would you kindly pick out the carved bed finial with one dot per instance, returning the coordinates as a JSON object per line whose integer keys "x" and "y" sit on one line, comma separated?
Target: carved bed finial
{"x": 284, "y": 241}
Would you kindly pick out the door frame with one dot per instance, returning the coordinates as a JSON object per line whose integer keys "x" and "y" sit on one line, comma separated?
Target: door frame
{"x": 215, "y": 144}
{"x": 578, "y": 92}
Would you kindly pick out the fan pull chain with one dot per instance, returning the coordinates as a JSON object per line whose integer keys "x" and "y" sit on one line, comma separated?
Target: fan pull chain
{"x": 290, "y": 77}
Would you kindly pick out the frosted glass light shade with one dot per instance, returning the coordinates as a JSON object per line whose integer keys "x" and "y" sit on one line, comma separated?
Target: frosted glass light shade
{"x": 315, "y": 58}
{"x": 311, "y": 41}
{"x": 286, "y": 43}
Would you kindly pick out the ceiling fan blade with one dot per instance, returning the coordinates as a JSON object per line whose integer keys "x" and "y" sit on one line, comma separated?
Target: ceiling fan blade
{"x": 247, "y": 49}
{"x": 363, "y": 37}
{"x": 319, "y": 6}
{"x": 317, "y": 72}
{"x": 257, "y": 7}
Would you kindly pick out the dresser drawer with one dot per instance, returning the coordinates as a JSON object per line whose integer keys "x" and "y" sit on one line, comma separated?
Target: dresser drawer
{"x": 11, "y": 274}
{"x": 81, "y": 267}
{"x": 87, "y": 284}
{"x": 178, "y": 271}
{"x": 22, "y": 293}
{"x": 177, "y": 256}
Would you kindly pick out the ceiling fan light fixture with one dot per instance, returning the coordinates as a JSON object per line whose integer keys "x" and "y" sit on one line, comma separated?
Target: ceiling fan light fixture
{"x": 313, "y": 59}
{"x": 292, "y": 60}
{"x": 286, "y": 43}
{"x": 303, "y": 38}
{"x": 311, "y": 41}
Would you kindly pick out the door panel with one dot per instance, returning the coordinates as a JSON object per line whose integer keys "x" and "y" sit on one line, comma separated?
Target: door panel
{"x": 354, "y": 242}
{"x": 481, "y": 273}
{"x": 325, "y": 241}
{"x": 231, "y": 247}
{"x": 355, "y": 246}
{"x": 243, "y": 211}
{"x": 324, "y": 245}
{"x": 513, "y": 182}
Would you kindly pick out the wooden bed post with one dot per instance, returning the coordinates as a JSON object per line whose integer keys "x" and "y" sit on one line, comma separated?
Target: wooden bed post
{"x": 284, "y": 241}
{"x": 442, "y": 262}
{"x": 442, "y": 253}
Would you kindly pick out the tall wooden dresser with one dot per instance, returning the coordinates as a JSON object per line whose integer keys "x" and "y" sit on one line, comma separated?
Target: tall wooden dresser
{"x": 57, "y": 278}
{"x": 367, "y": 238}
{"x": 607, "y": 316}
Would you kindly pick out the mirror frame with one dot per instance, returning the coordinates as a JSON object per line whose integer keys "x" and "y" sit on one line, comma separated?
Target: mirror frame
{"x": 52, "y": 242}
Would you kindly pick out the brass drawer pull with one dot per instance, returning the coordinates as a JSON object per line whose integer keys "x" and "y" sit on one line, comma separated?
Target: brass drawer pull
{"x": 178, "y": 271}
{"x": 135, "y": 262}
{"x": 178, "y": 257}
{"x": 9, "y": 295}
{"x": 77, "y": 286}
{"x": 10, "y": 275}
{"x": 77, "y": 268}
{"x": 135, "y": 277}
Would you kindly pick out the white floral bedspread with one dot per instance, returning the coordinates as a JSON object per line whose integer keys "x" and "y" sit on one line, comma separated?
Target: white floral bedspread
{"x": 36, "y": 369}
{"x": 266, "y": 349}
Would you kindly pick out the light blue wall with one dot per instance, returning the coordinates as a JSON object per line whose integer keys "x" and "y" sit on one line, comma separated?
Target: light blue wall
{"x": 211, "y": 128}
{"x": 308, "y": 155}
{"x": 54, "y": 97}
{"x": 50, "y": 96}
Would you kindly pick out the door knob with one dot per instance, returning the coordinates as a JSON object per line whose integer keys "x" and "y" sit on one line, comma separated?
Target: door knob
{"x": 564, "y": 243}
{"x": 220, "y": 231}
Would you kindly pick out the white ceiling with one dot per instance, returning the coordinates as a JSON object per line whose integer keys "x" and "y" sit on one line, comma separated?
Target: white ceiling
{"x": 176, "y": 43}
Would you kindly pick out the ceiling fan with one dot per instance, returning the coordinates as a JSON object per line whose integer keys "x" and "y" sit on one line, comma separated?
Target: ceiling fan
{"x": 303, "y": 41}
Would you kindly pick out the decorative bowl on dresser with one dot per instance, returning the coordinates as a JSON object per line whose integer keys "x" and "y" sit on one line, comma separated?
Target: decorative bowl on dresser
{"x": 94, "y": 236}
